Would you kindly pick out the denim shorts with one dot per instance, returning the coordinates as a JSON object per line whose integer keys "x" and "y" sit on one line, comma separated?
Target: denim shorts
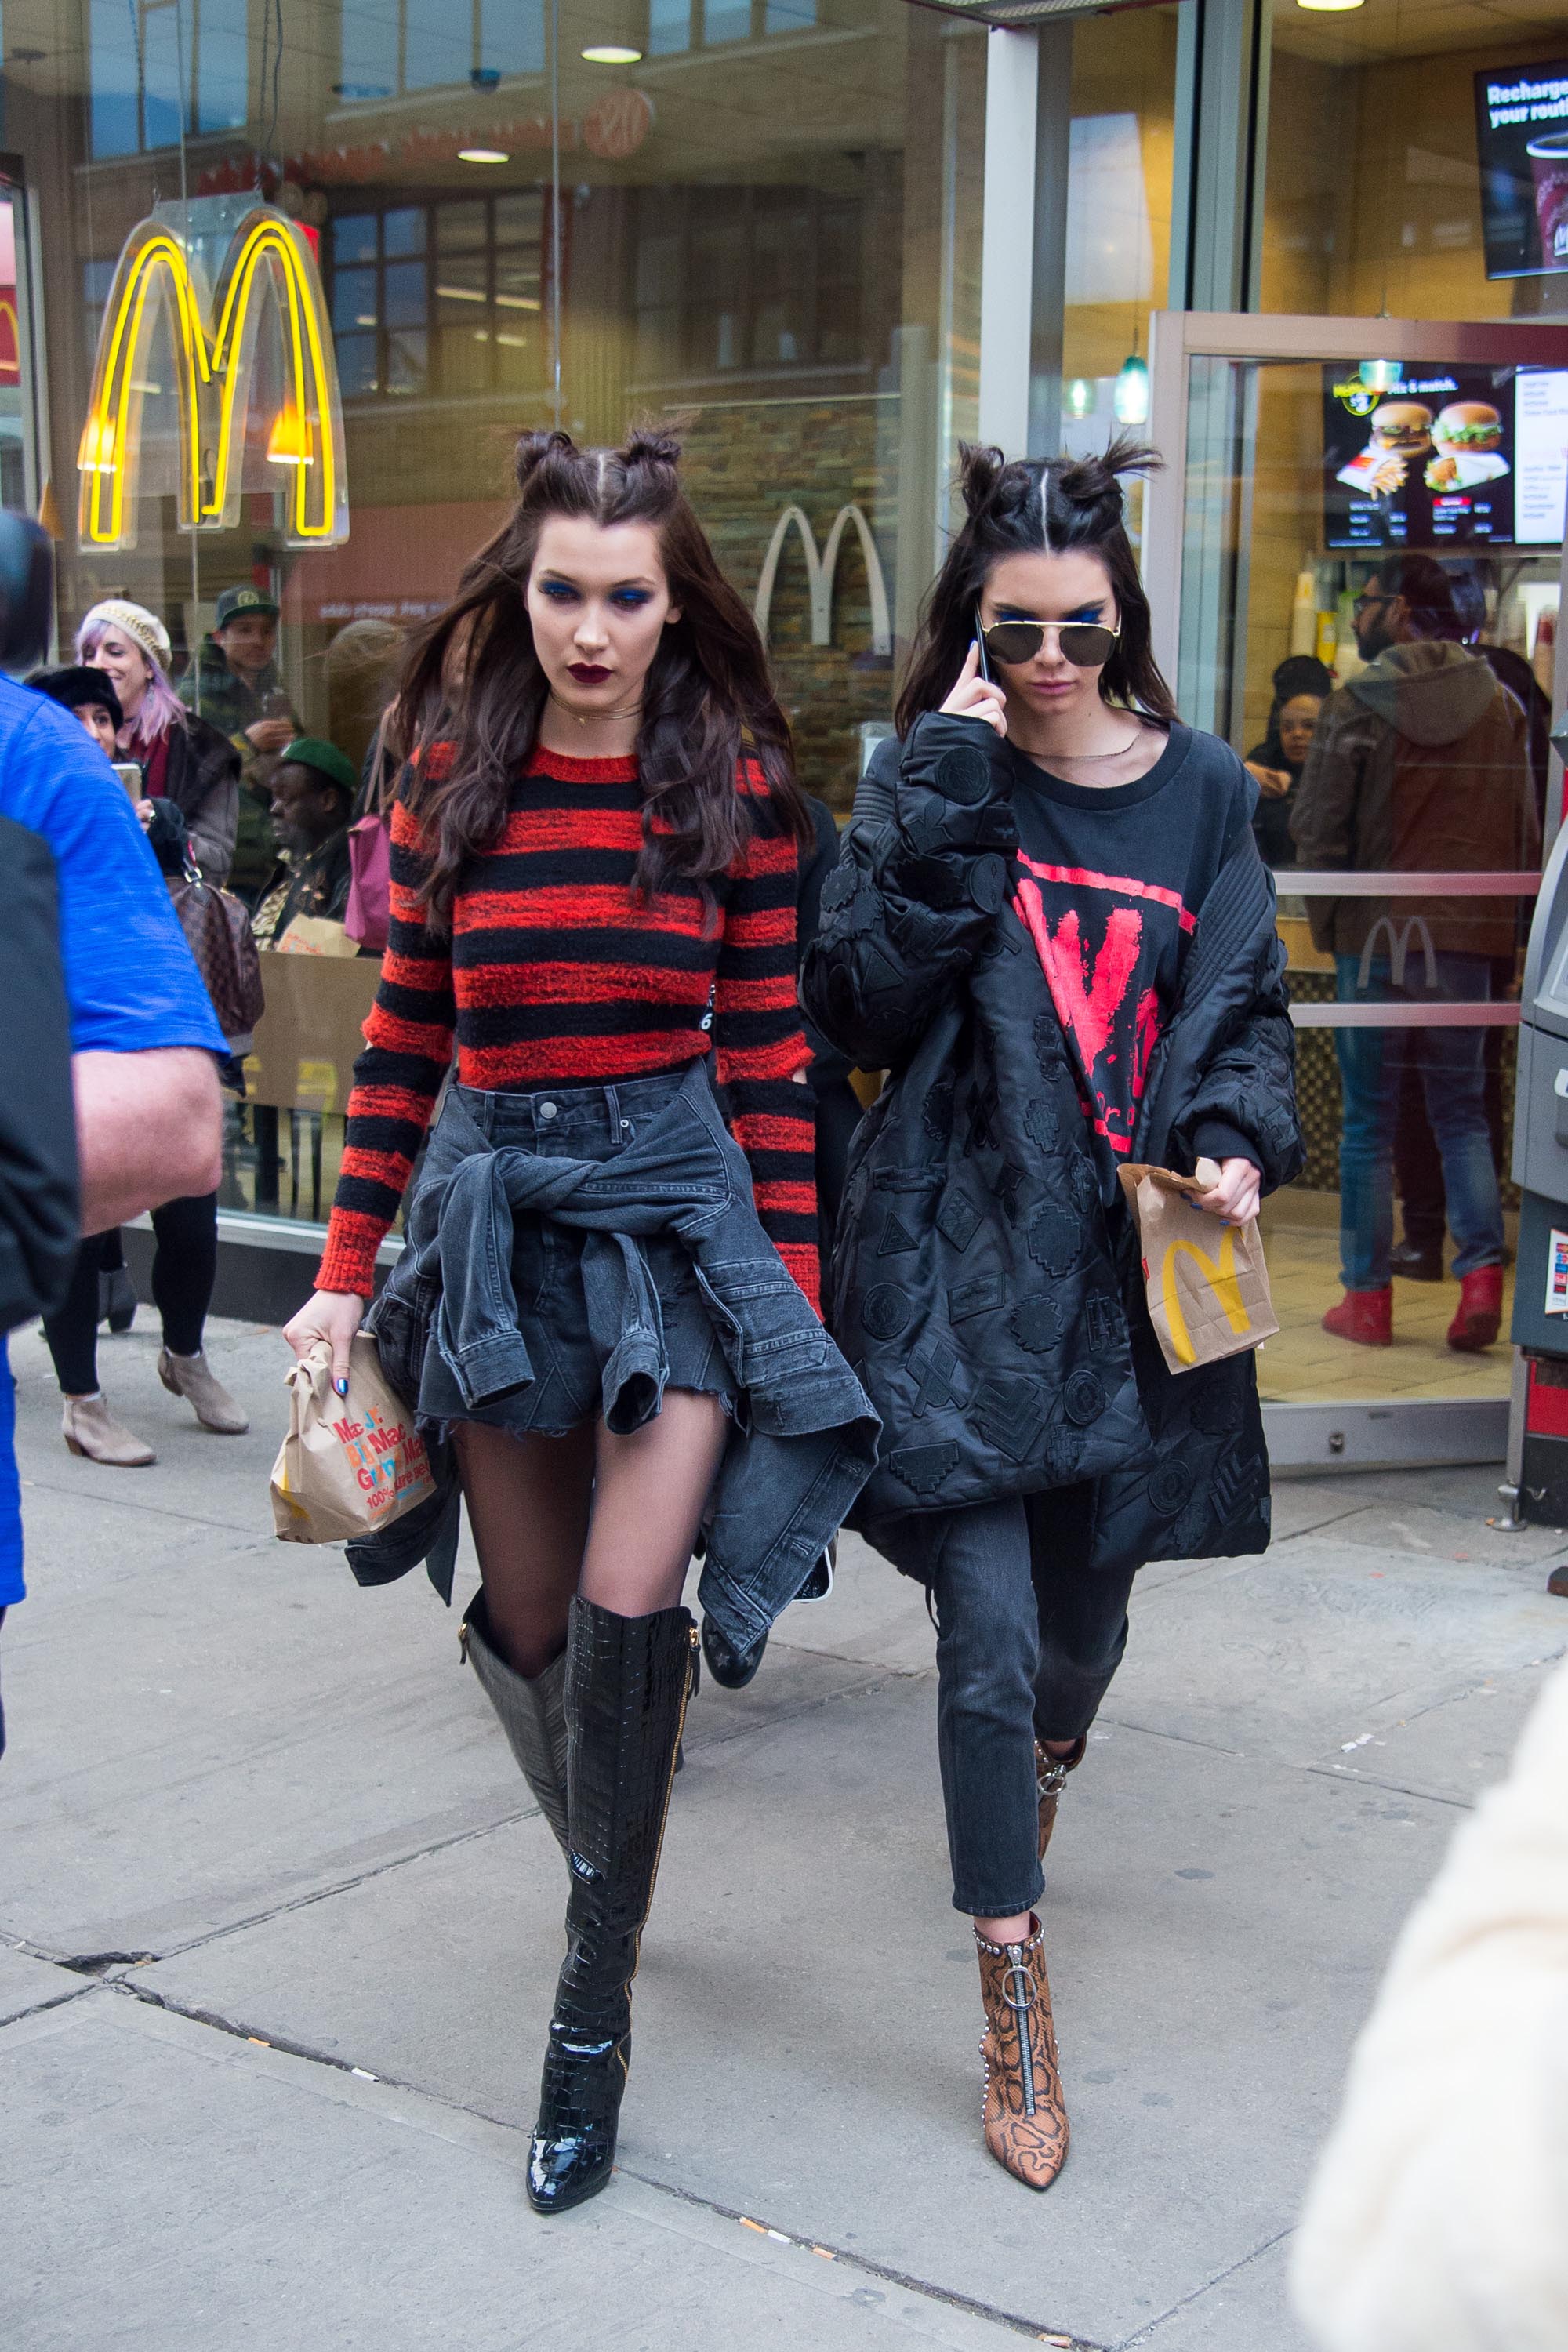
{"x": 593, "y": 1123}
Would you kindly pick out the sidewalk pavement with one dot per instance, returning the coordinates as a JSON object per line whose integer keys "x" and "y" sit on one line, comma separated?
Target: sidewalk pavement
{"x": 279, "y": 1929}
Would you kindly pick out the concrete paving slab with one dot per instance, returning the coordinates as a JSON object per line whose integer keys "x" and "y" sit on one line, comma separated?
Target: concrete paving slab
{"x": 242, "y": 2199}
{"x": 1291, "y": 1655}
{"x": 1217, "y": 1935}
{"x": 1248, "y": 2310}
{"x": 257, "y": 1729}
{"x": 1451, "y": 1748}
{"x": 27, "y": 1983}
{"x": 1436, "y": 1533}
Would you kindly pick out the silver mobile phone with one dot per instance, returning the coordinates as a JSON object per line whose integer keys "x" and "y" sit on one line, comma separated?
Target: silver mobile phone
{"x": 130, "y": 776}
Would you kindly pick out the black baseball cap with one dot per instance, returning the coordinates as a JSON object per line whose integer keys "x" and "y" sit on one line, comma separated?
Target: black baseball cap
{"x": 236, "y": 601}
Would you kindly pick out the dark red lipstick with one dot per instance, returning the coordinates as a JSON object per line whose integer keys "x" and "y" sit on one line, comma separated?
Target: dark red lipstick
{"x": 588, "y": 673}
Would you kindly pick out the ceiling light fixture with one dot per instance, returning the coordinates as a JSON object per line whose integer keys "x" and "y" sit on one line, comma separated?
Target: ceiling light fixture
{"x": 482, "y": 155}
{"x": 610, "y": 53}
{"x": 1130, "y": 400}
{"x": 1330, "y": 7}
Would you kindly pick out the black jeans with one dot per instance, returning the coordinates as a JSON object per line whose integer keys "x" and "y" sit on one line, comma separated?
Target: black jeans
{"x": 1025, "y": 1651}
{"x": 184, "y": 1268}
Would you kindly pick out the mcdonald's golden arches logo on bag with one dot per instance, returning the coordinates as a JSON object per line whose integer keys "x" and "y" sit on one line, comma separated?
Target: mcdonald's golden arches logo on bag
{"x": 1205, "y": 1283}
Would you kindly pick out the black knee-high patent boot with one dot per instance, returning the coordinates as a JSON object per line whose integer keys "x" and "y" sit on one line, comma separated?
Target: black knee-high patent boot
{"x": 627, "y": 1680}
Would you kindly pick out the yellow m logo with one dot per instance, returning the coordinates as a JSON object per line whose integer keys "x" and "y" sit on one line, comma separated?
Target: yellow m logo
{"x": 162, "y": 273}
{"x": 1219, "y": 1273}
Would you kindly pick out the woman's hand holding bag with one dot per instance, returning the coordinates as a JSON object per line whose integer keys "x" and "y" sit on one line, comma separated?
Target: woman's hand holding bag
{"x": 351, "y": 1463}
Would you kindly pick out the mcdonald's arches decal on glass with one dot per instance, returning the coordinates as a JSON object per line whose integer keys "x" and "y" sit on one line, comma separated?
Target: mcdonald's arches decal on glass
{"x": 224, "y": 293}
{"x": 821, "y": 568}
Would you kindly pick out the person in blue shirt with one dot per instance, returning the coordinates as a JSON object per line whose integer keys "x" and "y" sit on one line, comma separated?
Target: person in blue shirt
{"x": 144, "y": 1041}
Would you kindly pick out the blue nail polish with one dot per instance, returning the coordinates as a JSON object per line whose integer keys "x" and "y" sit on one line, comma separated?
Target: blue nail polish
{"x": 341, "y": 1387}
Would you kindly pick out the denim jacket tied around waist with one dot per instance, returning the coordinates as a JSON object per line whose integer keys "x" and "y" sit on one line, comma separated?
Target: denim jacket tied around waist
{"x": 804, "y": 1439}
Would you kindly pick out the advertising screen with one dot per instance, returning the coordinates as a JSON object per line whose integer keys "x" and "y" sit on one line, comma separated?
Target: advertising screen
{"x": 1437, "y": 457}
{"x": 1521, "y": 136}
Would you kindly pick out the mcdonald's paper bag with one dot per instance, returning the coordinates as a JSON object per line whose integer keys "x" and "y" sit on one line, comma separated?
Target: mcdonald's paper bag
{"x": 350, "y": 1465}
{"x": 1206, "y": 1284}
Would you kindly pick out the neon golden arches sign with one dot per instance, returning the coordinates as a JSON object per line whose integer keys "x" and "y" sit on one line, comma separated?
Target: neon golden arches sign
{"x": 162, "y": 270}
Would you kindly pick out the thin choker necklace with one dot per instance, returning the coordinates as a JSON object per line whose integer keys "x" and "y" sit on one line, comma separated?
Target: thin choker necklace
{"x": 1120, "y": 754}
{"x": 630, "y": 711}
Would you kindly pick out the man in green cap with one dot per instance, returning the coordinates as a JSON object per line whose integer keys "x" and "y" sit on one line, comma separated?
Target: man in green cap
{"x": 237, "y": 687}
{"x": 313, "y": 789}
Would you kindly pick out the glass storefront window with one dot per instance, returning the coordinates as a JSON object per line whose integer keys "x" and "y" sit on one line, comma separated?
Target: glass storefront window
{"x": 1392, "y": 186}
{"x": 764, "y": 233}
{"x": 1368, "y": 553}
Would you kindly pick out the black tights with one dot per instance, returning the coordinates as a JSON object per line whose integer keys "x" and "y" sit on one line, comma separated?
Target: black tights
{"x": 184, "y": 1267}
{"x": 612, "y": 1518}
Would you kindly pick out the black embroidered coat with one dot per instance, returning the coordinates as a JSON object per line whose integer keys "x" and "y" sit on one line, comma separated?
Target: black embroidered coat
{"x": 992, "y": 1309}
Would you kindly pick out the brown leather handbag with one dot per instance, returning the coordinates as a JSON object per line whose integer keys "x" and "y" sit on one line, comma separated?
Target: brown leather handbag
{"x": 217, "y": 932}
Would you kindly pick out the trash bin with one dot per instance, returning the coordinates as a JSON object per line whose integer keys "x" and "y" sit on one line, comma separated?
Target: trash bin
{"x": 1538, "y": 1450}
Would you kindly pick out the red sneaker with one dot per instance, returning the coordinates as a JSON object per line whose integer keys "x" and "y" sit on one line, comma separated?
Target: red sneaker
{"x": 1364, "y": 1316}
{"x": 1479, "y": 1317}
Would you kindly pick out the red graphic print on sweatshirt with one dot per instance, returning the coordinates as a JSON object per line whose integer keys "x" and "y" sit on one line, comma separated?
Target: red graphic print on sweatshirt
{"x": 1102, "y": 939}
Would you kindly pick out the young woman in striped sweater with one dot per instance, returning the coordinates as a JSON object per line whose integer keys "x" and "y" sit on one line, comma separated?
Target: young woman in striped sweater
{"x": 594, "y": 856}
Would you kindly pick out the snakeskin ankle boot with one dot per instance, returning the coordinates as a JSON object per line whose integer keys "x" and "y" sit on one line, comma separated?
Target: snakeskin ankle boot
{"x": 532, "y": 1715}
{"x": 627, "y": 1682}
{"x": 1051, "y": 1778}
{"x": 1025, "y": 2121}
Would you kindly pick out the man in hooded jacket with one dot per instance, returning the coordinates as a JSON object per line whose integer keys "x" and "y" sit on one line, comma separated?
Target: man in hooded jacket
{"x": 1421, "y": 763}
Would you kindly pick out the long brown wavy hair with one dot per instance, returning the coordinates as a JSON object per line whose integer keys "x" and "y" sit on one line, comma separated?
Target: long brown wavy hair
{"x": 1033, "y": 506}
{"x": 474, "y": 685}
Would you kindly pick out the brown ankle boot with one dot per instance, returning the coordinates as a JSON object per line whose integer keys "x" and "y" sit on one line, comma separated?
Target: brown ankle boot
{"x": 1025, "y": 2121}
{"x": 1051, "y": 1773}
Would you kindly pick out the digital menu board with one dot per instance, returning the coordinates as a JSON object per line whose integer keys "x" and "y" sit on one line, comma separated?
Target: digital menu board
{"x": 1436, "y": 457}
{"x": 1521, "y": 139}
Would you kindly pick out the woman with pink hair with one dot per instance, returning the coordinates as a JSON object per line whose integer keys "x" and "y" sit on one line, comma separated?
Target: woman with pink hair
{"x": 190, "y": 771}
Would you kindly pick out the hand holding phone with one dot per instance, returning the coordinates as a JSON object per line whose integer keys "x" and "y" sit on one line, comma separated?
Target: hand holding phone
{"x": 976, "y": 694}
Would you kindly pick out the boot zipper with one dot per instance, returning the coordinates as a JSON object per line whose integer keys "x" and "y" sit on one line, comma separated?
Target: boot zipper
{"x": 1015, "y": 1973}
{"x": 463, "y": 1640}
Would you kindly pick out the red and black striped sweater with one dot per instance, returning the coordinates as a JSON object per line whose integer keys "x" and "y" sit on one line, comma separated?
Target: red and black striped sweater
{"x": 555, "y": 975}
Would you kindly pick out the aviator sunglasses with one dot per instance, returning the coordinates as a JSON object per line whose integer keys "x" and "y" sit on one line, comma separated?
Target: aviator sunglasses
{"x": 1088, "y": 645}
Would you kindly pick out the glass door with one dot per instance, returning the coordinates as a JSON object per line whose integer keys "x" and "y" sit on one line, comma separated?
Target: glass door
{"x": 1354, "y": 556}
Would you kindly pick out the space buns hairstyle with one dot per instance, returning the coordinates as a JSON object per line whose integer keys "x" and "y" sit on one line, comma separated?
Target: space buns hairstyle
{"x": 1035, "y": 506}
{"x": 474, "y": 682}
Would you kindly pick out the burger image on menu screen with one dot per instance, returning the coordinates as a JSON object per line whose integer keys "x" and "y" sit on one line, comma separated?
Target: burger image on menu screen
{"x": 1466, "y": 447}
{"x": 1400, "y": 436}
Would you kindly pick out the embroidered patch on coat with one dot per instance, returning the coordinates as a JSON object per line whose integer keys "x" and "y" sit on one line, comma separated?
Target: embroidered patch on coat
{"x": 958, "y": 1221}
{"x": 1083, "y": 1400}
{"x": 976, "y": 1298}
{"x": 886, "y": 1311}
{"x": 1042, "y": 1122}
{"x": 1011, "y": 1414}
{"x": 1102, "y": 1319}
{"x": 1035, "y": 1323}
{"x": 1170, "y": 1488}
{"x": 1055, "y": 1241}
{"x": 963, "y": 776}
{"x": 923, "y": 1468}
{"x": 936, "y": 1374}
{"x": 895, "y": 1238}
